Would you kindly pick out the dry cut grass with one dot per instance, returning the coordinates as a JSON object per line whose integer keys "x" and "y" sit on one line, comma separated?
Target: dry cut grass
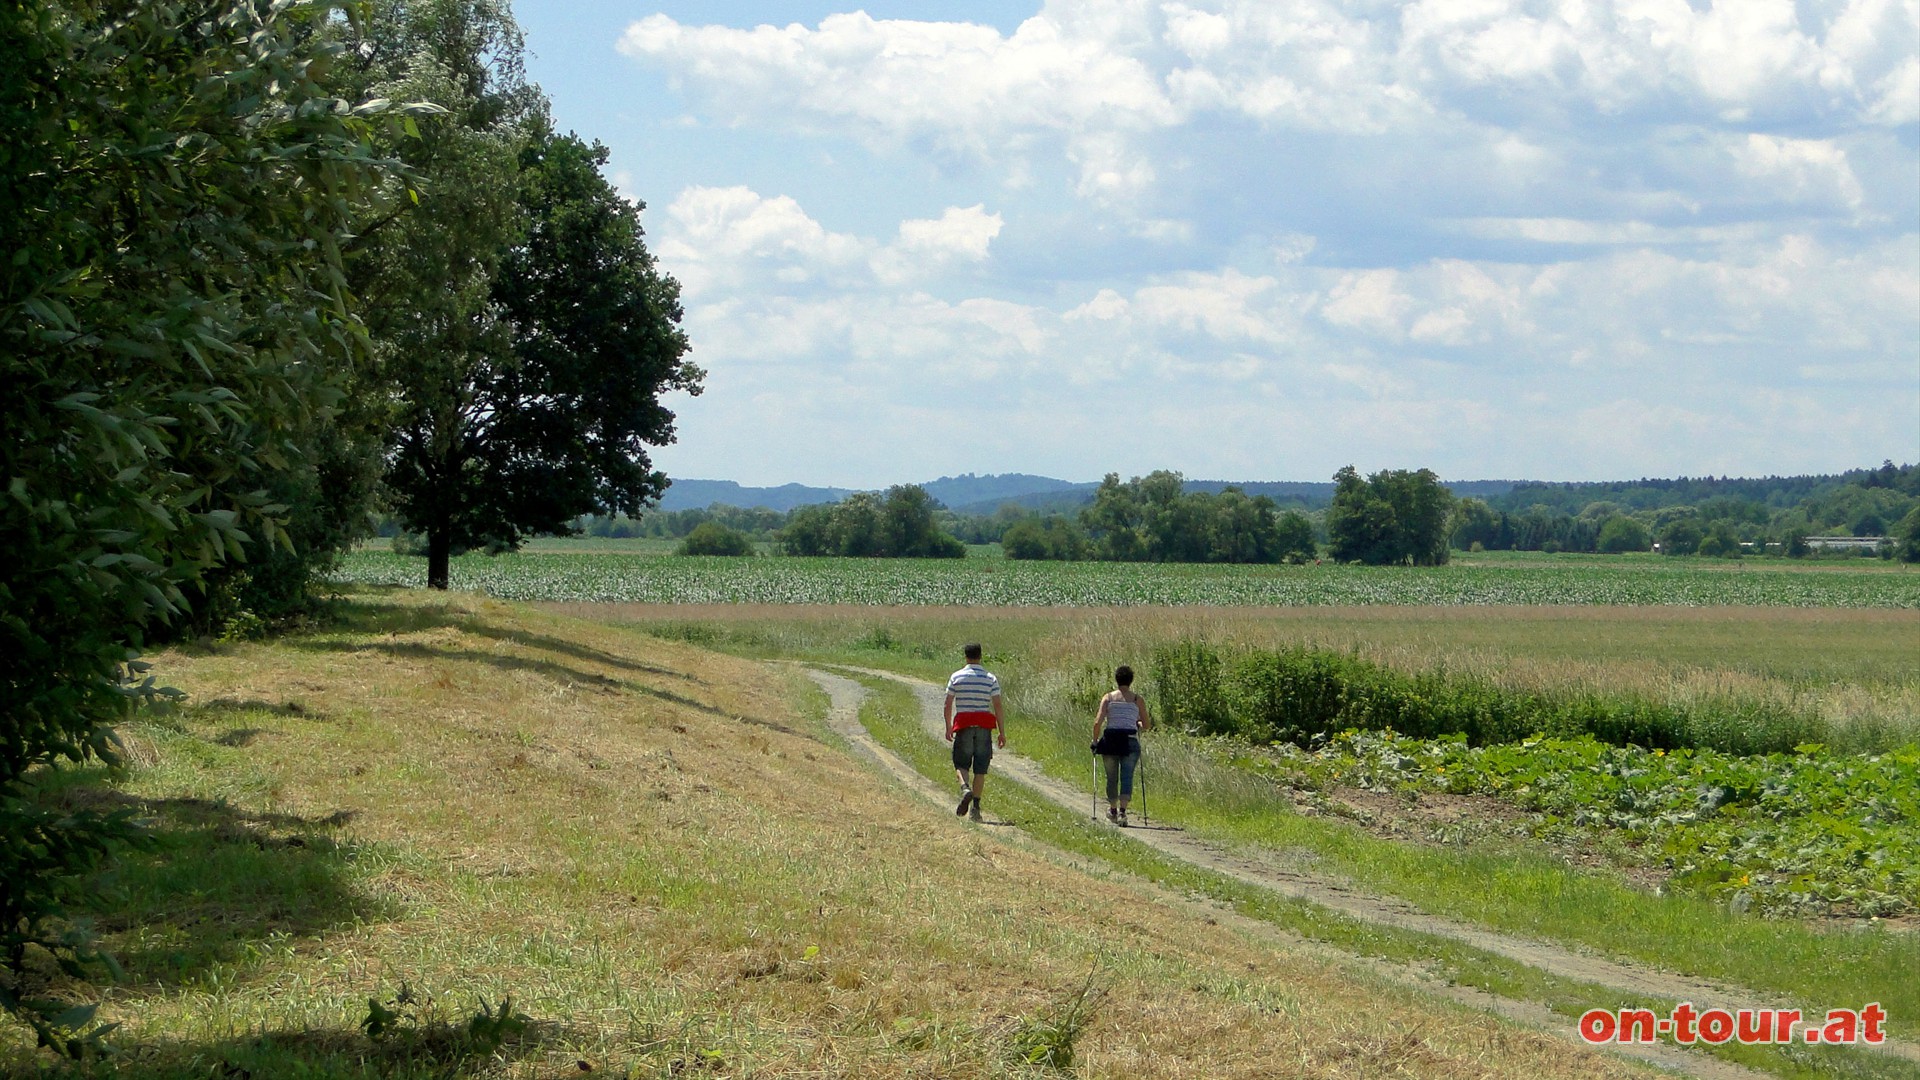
{"x": 658, "y": 854}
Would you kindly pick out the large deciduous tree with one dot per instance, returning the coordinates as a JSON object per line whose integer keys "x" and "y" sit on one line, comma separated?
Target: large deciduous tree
{"x": 526, "y": 333}
{"x": 1393, "y": 516}
{"x": 177, "y": 180}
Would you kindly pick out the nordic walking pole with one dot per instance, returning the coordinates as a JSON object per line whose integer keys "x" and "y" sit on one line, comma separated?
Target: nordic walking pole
{"x": 1145, "y": 821}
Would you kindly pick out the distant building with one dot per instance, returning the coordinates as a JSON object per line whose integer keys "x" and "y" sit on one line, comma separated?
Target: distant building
{"x": 1846, "y": 543}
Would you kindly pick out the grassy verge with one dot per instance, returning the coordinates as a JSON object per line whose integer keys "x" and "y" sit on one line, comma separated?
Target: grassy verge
{"x": 892, "y": 715}
{"x": 375, "y": 837}
{"x": 1518, "y": 887}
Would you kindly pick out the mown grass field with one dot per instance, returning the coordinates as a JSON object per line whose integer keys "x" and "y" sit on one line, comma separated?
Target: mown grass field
{"x": 591, "y": 574}
{"x": 670, "y": 867}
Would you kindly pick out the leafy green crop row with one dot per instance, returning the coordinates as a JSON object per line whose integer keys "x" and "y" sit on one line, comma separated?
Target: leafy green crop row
{"x": 1004, "y": 583}
{"x": 1298, "y": 695}
{"x": 1802, "y": 832}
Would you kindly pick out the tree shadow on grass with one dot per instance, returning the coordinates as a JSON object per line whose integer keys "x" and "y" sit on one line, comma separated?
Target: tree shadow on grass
{"x": 217, "y": 886}
{"x": 371, "y": 616}
{"x": 551, "y": 669}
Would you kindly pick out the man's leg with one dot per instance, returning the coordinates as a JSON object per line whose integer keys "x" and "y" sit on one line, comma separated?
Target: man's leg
{"x": 962, "y": 759}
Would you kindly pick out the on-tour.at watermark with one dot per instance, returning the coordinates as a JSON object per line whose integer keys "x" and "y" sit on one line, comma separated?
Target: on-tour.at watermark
{"x": 1686, "y": 1025}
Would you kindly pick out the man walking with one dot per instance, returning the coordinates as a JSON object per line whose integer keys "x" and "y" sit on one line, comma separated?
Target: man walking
{"x": 974, "y": 716}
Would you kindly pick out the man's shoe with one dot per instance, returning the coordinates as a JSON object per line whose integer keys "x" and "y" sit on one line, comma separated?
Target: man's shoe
{"x": 975, "y": 814}
{"x": 966, "y": 800}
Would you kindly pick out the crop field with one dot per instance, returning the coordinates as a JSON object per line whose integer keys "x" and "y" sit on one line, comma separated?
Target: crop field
{"x": 609, "y": 576}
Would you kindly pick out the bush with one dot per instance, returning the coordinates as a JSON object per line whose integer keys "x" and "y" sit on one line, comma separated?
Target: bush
{"x": 713, "y": 538}
{"x": 1186, "y": 678}
{"x": 1906, "y": 537}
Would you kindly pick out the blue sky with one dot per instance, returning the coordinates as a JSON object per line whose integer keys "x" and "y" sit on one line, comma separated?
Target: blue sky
{"x": 1262, "y": 239}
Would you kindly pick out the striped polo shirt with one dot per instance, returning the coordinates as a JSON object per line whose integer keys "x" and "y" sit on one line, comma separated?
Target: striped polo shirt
{"x": 973, "y": 688}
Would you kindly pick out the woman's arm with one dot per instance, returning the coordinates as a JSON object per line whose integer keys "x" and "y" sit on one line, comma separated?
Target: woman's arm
{"x": 1146, "y": 723}
{"x": 1100, "y": 717}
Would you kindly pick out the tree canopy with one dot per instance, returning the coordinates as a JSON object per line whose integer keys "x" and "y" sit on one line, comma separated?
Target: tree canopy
{"x": 900, "y": 525}
{"x": 1153, "y": 518}
{"x": 179, "y": 182}
{"x": 526, "y": 333}
{"x": 1393, "y": 516}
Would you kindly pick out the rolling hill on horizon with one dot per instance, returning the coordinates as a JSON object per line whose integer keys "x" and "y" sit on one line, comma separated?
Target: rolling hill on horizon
{"x": 969, "y": 493}
{"x": 973, "y": 494}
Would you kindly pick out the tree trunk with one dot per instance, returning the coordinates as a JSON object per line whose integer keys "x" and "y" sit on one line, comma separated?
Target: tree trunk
{"x": 439, "y": 551}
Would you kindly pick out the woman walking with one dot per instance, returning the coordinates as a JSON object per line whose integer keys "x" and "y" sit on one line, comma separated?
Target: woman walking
{"x": 1116, "y": 738}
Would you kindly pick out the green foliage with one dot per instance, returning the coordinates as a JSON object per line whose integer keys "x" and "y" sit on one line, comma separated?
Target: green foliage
{"x": 1390, "y": 517}
{"x": 178, "y": 181}
{"x": 713, "y": 538}
{"x": 757, "y": 522}
{"x": 864, "y": 525}
{"x": 1153, "y": 519}
{"x": 1045, "y": 538}
{"x": 1188, "y": 688}
{"x": 1720, "y": 541}
{"x": 408, "y": 1027}
{"x": 1682, "y": 537}
{"x": 1303, "y": 695}
{"x": 1048, "y": 1038}
{"x": 1800, "y": 832}
{"x": 1906, "y": 537}
{"x": 1620, "y": 534}
{"x": 523, "y": 326}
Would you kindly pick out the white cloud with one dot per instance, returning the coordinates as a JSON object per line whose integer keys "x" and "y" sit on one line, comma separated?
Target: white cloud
{"x": 1800, "y": 169}
{"x": 1394, "y": 225}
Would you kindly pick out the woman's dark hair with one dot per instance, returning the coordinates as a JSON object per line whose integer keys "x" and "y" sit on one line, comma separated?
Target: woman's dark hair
{"x": 1123, "y": 675}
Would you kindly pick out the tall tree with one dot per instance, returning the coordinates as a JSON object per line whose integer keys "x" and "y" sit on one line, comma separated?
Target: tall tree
{"x": 177, "y": 184}
{"x": 526, "y": 331}
{"x": 426, "y": 270}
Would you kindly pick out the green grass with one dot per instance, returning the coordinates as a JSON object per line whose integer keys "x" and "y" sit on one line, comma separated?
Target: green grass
{"x": 892, "y": 715}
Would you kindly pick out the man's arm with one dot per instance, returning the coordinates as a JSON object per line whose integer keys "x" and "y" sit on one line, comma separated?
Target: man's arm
{"x": 1000, "y": 720}
{"x": 949, "y": 715}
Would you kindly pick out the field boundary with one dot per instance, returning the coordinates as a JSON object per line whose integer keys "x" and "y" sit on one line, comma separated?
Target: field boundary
{"x": 847, "y": 694}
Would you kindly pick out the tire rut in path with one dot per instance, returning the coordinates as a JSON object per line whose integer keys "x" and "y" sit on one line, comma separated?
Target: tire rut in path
{"x": 847, "y": 695}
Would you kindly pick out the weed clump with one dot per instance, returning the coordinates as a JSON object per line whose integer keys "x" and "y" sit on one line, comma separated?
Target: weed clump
{"x": 1048, "y": 1037}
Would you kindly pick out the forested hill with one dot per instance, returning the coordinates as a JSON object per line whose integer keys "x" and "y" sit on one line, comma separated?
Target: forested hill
{"x": 1773, "y": 492}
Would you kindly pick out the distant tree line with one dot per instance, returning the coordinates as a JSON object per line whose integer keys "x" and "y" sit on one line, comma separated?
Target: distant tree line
{"x": 1729, "y": 518}
{"x": 1389, "y": 517}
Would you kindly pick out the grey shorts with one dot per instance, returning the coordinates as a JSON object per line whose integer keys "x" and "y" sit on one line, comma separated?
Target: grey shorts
{"x": 973, "y": 749}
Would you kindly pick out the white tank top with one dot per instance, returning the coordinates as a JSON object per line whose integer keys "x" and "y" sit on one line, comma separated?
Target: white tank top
{"x": 1123, "y": 715}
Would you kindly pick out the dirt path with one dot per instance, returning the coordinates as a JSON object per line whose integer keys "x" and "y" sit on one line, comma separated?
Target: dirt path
{"x": 1269, "y": 873}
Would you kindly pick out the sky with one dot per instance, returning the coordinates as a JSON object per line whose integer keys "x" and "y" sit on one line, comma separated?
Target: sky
{"x": 1263, "y": 239}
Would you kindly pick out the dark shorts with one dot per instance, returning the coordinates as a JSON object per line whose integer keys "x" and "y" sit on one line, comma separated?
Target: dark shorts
{"x": 973, "y": 749}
